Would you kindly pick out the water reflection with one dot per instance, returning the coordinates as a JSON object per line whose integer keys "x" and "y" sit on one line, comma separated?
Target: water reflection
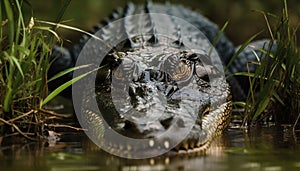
{"x": 257, "y": 149}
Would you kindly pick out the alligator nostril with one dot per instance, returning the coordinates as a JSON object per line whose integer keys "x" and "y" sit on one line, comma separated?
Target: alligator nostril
{"x": 180, "y": 123}
{"x": 166, "y": 122}
{"x": 178, "y": 43}
{"x": 128, "y": 125}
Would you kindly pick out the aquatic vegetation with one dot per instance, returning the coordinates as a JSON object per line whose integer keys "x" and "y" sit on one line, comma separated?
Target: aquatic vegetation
{"x": 275, "y": 85}
{"x": 25, "y": 49}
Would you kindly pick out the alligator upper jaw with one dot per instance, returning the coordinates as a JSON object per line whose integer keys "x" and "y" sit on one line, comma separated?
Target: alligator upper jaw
{"x": 178, "y": 138}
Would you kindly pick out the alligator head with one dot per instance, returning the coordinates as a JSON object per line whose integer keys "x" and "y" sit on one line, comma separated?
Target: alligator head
{"x": 158, "y": 90}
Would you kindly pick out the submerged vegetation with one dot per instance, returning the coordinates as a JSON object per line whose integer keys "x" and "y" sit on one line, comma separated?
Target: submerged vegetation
{"x": 274, "y": 93}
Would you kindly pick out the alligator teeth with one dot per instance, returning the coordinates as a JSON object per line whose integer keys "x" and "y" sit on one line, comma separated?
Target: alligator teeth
{"x": 198, "y": 144}
{"x": 167, "y": 144}
{"x": 129, "y": 148}
{"x": 201, "y": 143}
{"x": 152, "y": 161}
{"x": 192, "y": 144}
{"x": 185, "y": 145}
{"x": 151, "y": 143}
{"x": 167, "y": 160}
{"x": 121, "y": 147}
{"x": 177, "y": 148}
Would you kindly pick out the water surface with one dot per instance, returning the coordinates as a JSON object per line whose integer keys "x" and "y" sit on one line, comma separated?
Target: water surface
{"x": 255, "y": 149}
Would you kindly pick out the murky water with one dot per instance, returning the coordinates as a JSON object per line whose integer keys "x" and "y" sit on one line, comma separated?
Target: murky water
{"x": 258, "y": 149}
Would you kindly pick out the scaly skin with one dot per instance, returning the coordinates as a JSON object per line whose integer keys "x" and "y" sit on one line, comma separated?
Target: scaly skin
{"x": 153, "y": 83}
{"x": 186, "y": 76}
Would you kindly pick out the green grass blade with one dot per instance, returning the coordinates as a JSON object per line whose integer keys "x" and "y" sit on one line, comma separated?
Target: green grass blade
{"x": 261, "y": 107}
{"x": 239, "y": 103}
{"x": 246, "y": 74}
{"x": 62, "y": 73}
{"x": 75, "y": 29}
{"x": 62, "y": 11}
{"x": 217, "y": 37}
{"x": 16, "y": 62}
{"x": 269, "y": 27}
{"x": 60, "y": 89}
{"x": 9, "y": 91}
{"x": 1, "y": 19}
{"x": 11, "y": 24}
{"x": 7, "y": 99}
{"x": 21, "y": 25}
{"x": 244, "y": 45}
{"x": 48, "y": 29}
{"x": 64, "y": 86}
{"x": 278, "y": 98}
{"x": 12, "y": 61}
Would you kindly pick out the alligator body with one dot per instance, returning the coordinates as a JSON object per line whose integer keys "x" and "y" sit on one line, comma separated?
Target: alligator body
{"x": 181, "y": 90}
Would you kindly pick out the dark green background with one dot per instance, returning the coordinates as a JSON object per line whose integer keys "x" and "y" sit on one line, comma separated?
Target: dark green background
{"x": 243, "y": 20}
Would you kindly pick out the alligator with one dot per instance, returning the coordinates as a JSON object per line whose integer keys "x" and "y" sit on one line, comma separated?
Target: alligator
{"x": 182, "y": 91}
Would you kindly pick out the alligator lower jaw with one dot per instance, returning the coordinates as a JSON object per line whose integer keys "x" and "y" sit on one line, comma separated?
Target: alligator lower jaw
{"x": 190, "y": 151}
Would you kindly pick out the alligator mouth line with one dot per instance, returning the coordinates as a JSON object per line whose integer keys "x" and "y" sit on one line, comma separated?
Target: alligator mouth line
{"x": 196, "y": 143}
{"x": 202, "y": 150}
{"x": 181, "y": 149}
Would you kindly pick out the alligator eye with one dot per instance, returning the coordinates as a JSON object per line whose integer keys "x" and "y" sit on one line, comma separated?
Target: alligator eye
{"x": 182, "y": 72}
{"x": 125, "y": 71}
{"x": 118, "y": 73}
{"x": 203, "y": 72}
